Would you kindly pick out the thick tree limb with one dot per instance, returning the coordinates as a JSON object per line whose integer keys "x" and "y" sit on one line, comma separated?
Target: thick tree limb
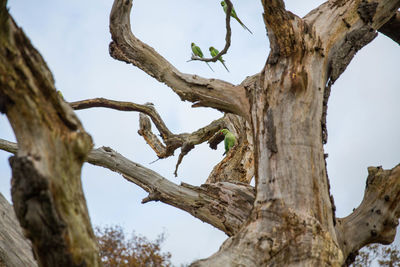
{"x": 202, "y": 92}
{"x": 224, "y": 205}
{"x": 338, "y": 30}
{"x": 341, "y": 28}
{"x": 392, "y": 28}
{"x": 15, "y": 249}
{"x": 227, "y": 36}
{"x": 46, "y": 186}
{"x": 280, "y": 27}
{"x": 376, "y": 219}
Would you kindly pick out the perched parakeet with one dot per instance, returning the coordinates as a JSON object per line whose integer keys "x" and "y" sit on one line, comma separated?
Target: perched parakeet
{"x": 197, "y": 52}
{"x": 233, "y": 15}
{"x": 229, "y": 140}
{"x": 215, "y": 52}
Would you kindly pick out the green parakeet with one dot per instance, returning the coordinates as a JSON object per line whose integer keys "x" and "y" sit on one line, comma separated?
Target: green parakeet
{"x": 215, "y": 52}
{"x": 229, "y": 140}
{"x": 233, "y": 15}
{"x": 197, "y": 52}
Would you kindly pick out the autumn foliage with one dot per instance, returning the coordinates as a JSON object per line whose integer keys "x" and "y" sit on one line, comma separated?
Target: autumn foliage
{"x": 138, "y": 251}
{"x": 386, "y": 256}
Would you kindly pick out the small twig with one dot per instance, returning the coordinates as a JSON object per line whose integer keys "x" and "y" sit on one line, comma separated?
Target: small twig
{"x": 227, "y": 37}
{"x": 184, "y": 151}
{"x": 155, "y": 161}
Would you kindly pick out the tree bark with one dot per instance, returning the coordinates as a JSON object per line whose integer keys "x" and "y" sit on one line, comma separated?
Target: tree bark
{"x": 376, "y": 219}
{"x": 279, "y": 119}
{"x": 15, "y": 249}
{"x": 292, "y": 223}
{"x": 46, "y": 186}
{"x": 224, "y": 205}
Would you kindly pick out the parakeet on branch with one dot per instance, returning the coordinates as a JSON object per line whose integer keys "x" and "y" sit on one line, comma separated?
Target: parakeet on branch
{"x": 215, "y": 52}
{"x": 233, "y": 15}
{"x": 197, "y": 52}
{"x": 229, "y": 140}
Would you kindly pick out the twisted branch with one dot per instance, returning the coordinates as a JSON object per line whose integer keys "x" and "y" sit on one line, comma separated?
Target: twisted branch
{"x": 227, "y": 36}
{"x": 172, "y": 141}
{"x": 202, "y": 92}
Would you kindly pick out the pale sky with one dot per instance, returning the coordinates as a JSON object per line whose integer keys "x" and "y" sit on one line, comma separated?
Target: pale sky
{"x": 73, "y": 37}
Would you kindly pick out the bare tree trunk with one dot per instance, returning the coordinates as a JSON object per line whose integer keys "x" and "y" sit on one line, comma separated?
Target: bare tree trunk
{"x": 15, "y": 249}
{"x": 292, "y": 222}
{"x": 46, "y": 186}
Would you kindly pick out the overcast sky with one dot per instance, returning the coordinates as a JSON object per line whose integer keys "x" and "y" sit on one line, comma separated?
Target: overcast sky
{"x": 73, "y": 37}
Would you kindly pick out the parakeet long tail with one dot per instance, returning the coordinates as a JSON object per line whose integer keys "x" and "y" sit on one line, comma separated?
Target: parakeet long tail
{"x": 209, "y": 66}
{"x": 241, "y": 23}
{"x": 244, "y": 26}
{"x": 224, "y": 66}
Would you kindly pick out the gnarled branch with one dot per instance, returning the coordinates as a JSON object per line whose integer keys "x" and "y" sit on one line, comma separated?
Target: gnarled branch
{"x": 223, "y": 205}
{"x": 213, "y": 93}
{"x": 238, "y": 166}
{"x": 340, "y": 33}
{"x": 227, "y": 36}
{"x": 147, "y": 109}
{"x": 376, "y": 219}
{"x": 172, "y": 141}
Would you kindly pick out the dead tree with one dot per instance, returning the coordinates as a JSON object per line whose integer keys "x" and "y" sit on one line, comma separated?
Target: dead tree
{"x": 279, "y": 117}
{"x": 52, "y": 146}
